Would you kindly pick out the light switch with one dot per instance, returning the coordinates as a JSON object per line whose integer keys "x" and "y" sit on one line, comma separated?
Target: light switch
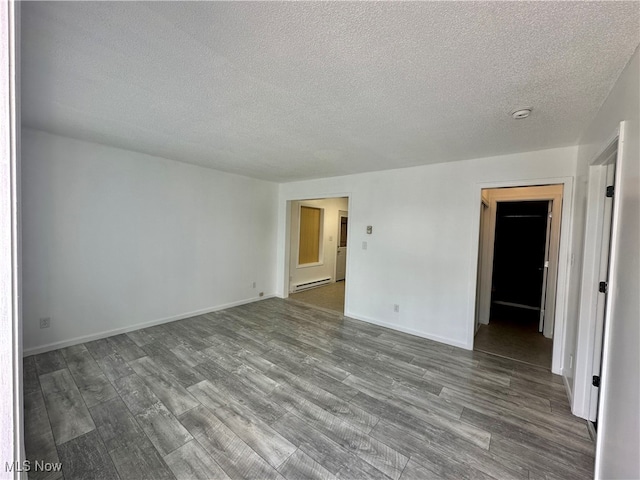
{"x": 364, "y": 245}
{"x": 330, "y": 238}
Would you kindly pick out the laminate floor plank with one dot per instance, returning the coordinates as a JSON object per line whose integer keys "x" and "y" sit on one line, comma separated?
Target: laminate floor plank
{"x": 67, "y": 411}
{"x": 230, "y": 390}
{"x": 536, "y": 460}
{"x": 95, "y": 389}
{"x": 424, "y": 425}
{"x": 174, "y": 396}
{"x": 114, "y": 366}
{"x": 265, "y": 441}
{"x": 283, "y": 390}
{"x": 559, "y": 424}
{"x": 30, "y": 381}
{"x": 233, "y": 455}
{"x": 49, "y": 362}
{"x": 116, "y": 424}
{"x": 192, "y": 462}
{"x": 86, "y": 457}
{"x": 555, "y": 451}
{"x": 39, "y": 442}
{"x": 342, "y": 409}
{"x": 301, "y": 466}
{"x": 80, "y": 362}
{"x": 456, "y": 456}
{"x": 366, "y": 447}
{"x": 171, "y": 364}
{"x": 161, "y": 426}
{"x": 337, "y": 459}
{"x": 140, "y": 461}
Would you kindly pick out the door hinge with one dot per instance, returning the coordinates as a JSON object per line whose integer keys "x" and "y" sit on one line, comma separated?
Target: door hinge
{"x": 610, "y": 190}
{"x": 602, "y": 287}
{"x": 595, "y": 381}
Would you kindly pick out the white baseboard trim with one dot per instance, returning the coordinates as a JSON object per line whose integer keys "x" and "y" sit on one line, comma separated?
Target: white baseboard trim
{"x": 116, "y": 331}
{"x": 392, "y": 326}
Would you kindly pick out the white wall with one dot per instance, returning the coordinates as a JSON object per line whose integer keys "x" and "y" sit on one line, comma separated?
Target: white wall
{"x": 331, "y": 208}
{"x": 114, "y": 239}
{"x": 619, "y": 415}
{"x": 423, "y": 251}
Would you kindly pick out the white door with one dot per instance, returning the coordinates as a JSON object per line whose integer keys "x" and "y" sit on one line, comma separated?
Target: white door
{"x": 602, "y": 295}
{"x": 341, "y": 257}
{"x": 545, "y": 268}
{"x": 484, "y": 212}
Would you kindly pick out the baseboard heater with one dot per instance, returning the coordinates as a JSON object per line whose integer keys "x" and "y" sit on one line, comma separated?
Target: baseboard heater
{"x": 307, "y": 285}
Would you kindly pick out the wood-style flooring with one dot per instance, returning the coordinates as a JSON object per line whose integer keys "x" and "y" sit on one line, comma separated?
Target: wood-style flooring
{"x": 330, "y": 297}
{"x": 516, "y": 340}
{"x": 276, "y": 389}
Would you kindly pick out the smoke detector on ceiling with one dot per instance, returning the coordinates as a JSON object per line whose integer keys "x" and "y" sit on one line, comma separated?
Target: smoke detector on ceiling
{"x": 521, "y": 113}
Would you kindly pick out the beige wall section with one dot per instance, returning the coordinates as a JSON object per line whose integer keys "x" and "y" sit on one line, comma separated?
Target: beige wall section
{"x": 327, "y": 264}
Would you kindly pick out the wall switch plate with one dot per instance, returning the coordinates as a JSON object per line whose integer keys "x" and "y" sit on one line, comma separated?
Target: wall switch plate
{"x": 364, "y": 245}
{"x": 45, "y": 322}
{"x": 253, "y": 285}
{"x": 330, "y": 238}
{"x": 369, "y": 229}
{"x": 396, "y": 308}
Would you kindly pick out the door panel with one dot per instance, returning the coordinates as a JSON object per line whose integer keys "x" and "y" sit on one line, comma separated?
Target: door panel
{"x": 341, "y": 257}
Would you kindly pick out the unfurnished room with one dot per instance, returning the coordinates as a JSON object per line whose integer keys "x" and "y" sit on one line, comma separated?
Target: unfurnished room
{"x": 320, "y": 240}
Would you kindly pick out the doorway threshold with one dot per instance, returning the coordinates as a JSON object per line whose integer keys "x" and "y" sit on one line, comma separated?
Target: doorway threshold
{"x": 315, "y": 307}
{"x": 548, "y": 368}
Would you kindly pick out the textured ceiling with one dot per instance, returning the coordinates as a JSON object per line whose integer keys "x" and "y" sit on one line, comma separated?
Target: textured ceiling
{"x": 289, "y": 91}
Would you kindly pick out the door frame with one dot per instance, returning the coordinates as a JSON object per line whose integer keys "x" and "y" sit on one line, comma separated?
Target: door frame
{"x": 583, "y": 390}
{"x": 564, "y": 263}
{"x": 11, "y": 401}
{"x": 521, "y": 194}
{"x": 341, "y": 214}
{"x": 284, "y": 267}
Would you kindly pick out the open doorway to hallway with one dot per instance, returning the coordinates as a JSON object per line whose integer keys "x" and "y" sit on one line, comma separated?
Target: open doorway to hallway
{"x": 318, "y": 252}
{"x": 518, "y": 262}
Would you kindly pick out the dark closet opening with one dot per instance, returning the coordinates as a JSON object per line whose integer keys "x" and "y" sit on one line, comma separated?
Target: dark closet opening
{"x": 518, "y": 261}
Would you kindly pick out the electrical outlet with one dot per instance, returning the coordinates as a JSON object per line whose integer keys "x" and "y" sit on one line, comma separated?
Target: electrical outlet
{"x": 396, "y": 308}
{"x": 261, "y": 294}
{"x": 253, "y": 285}
{"x": 45, "y": 322}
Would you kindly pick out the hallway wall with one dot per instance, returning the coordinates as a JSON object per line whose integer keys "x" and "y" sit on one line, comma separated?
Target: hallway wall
{"x": 331, "y": 208}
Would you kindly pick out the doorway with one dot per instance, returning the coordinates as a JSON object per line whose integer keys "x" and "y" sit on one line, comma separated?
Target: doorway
{"x": 518, "y": 264}
{"x": 318, "y": 252}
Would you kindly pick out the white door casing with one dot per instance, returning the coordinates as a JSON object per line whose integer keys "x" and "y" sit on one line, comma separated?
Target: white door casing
{"x": 553, "y": 193}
